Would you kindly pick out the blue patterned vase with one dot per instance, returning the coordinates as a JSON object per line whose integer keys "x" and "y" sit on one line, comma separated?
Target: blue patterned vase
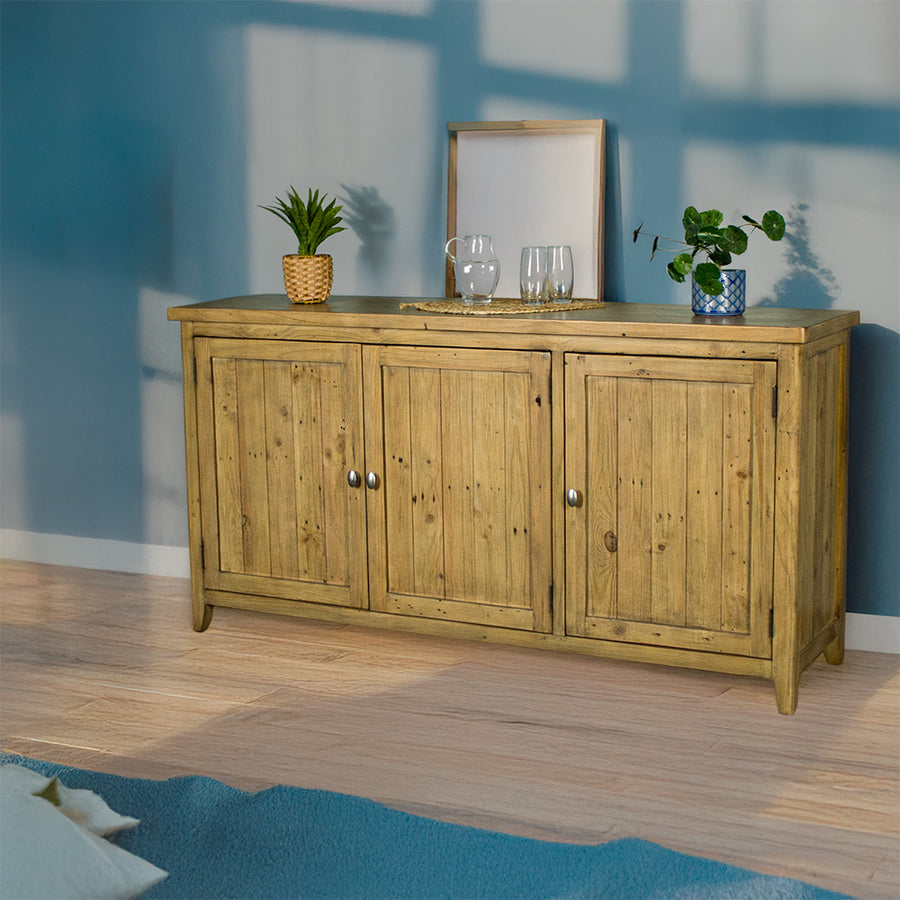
{"x": 731, "y": 302}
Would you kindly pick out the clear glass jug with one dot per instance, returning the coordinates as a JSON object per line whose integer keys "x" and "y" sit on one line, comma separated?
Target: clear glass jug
{"x": 476, "y": 268}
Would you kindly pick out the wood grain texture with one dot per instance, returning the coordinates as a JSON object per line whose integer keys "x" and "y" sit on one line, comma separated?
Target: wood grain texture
{"x": 460, "y": 520}
{"x": 102, "y": 670}
{"x": 676, "y": 458}
{"x": 280, "y": 429}
{"x": 704, "y": 539}
{"x": 631, "y": 321}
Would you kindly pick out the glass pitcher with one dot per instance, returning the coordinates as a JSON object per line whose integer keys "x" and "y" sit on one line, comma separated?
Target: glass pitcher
{"x": 476, "y": 268}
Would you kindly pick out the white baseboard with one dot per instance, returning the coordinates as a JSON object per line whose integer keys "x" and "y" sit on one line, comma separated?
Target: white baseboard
{"x": 879, "y": 634}
{"x": 95, "y": 553}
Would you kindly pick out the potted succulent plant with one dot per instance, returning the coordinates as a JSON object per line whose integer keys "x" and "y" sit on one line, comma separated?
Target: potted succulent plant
{"x": 715, "y": 290}
{"x": 308, "y": 275}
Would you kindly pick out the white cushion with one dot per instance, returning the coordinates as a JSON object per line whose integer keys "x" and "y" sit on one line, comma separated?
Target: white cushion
{"x": 51, "y": 843}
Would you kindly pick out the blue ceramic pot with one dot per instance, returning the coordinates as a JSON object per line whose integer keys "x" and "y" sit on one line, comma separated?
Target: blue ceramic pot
{"x": 731, "y": 302}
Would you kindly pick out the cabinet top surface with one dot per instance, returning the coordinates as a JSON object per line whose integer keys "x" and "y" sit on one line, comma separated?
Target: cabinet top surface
{"x": 614, "y": 319}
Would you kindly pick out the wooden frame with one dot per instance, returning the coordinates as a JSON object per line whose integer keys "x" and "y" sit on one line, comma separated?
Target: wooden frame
{"x": 530, "y": 182}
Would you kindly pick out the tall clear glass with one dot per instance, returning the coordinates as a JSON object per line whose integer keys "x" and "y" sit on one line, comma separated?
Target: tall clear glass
{"x": 533, "y": 275}
{"x": 560, "y": 273}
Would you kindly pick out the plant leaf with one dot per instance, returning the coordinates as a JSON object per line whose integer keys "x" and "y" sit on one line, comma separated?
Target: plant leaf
{"x": 720, "y": 257}
{"x": 674, "y": 274}
{"x": 637, "y": 231}
{"x": 711, "y": 218}
{"x": 683, "y": 263}
{"x": 733, "y": 240}
{"x": 691, "y": 222}
{"x": 707, "y": 277}
{"x": 773, "y": 225}
{"x": 708, "y": 234}
{"x": 310, "y": 222}
{"x": 654, "y": 248}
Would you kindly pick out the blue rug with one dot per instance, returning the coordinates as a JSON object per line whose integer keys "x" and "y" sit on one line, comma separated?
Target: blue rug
{"x": 216, "y": 842}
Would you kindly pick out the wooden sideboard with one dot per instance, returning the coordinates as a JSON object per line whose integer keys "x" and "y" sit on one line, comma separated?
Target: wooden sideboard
{"x": 631, "y": 481}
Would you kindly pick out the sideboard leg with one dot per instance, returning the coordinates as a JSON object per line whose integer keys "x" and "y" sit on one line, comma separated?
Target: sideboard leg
{"x": 202, "y": 616}
{"x": 834, "y": 652}
{"x": 787, "y": 687}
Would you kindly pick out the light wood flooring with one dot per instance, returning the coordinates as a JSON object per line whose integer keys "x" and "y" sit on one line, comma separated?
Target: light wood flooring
{"x": 102, "y": 670}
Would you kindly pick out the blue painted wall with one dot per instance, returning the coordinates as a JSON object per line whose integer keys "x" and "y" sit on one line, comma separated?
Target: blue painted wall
{"x": 138, "y": 139}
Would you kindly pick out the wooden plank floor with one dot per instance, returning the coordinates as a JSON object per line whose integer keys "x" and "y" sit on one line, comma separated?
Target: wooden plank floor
{"x": 102, "y": 670}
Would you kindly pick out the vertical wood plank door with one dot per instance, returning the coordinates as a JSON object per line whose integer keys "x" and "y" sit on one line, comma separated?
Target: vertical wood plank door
{"x": 279, "y": 425}
{"x": 459, "y": 525}
{"x": 674, "y": 459}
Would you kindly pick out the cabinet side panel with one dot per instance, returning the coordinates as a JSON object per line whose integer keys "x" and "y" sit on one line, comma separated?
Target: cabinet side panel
{"x": 669, "y": 505}
{"x": 704, "y": 504}
{"x": 280, "y": 469}
{"x": 826, "y": 556}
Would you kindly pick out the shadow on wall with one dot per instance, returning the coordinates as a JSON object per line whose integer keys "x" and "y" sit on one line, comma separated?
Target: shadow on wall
{"x": 808, "y": 283}
{"x": 375, "y": 225}
{"x": 874, "y": 499}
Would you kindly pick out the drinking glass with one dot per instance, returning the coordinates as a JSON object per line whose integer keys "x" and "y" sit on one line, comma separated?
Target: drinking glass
{"x": 533, "y": 275}
{"x": 560, "y": 273}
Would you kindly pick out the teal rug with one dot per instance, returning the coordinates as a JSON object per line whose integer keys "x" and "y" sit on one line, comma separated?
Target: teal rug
{"x": 217, "y": 842}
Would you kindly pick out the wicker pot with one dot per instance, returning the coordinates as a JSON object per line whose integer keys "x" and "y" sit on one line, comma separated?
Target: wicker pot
{"x": 308, "y": 279}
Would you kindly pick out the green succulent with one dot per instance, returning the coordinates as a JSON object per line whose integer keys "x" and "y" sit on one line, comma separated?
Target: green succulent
{"x": 704, "y": 233}
{"x": 312, "y": 222}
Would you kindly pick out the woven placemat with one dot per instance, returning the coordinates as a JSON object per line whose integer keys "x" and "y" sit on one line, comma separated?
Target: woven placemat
{"x": 498, "y": 307}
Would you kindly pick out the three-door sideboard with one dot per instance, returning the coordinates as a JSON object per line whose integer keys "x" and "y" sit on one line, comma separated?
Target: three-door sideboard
{"x": 629, "y": 481}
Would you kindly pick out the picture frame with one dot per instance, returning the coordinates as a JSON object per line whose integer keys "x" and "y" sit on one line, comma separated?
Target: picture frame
{"x": 533, "y": 182}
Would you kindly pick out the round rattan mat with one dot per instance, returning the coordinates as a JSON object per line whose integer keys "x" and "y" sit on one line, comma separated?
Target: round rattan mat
{"x": 498, "y": 307}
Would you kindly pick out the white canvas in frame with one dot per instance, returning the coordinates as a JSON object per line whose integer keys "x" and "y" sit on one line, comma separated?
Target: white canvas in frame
{"x": 531, "y": 182}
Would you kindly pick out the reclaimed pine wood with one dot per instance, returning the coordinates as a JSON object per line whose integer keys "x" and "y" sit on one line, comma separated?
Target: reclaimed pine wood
{"x": 677, "y": 534}
{"x": 102, "y": 670}
{"x": 285, "y": 421}
{"x": 471, "y": 540}
{"x": 781, "y": 377}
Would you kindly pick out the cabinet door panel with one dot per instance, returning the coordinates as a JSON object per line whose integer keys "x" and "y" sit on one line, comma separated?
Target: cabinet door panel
{"x": 673, "y": 545}
{"x": 460, "y": 524}
{"x": 282, "y": 422}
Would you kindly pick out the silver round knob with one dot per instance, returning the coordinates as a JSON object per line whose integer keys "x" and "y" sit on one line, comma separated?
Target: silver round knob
{"x": 353, "y": 478}
{"x": 371, "y": 481}
{"x": 573, "y": 497}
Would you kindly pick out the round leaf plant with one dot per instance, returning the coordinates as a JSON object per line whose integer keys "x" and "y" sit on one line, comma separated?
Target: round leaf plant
{"x": 705, "y": 235}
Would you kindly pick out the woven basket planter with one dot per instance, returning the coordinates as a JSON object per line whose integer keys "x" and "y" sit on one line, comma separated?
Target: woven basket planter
{"x": 308, "y": 279}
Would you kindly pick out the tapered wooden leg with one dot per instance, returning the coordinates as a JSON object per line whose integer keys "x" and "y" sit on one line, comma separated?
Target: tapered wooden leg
{"x": 787, "y": 686}
{"x": 202, "y": 616}
{"x": 834, "y": 652}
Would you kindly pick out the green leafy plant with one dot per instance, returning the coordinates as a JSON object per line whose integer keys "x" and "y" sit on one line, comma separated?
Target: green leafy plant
{"x": 705, "y": 234}
{"x": 312, "y": 222}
